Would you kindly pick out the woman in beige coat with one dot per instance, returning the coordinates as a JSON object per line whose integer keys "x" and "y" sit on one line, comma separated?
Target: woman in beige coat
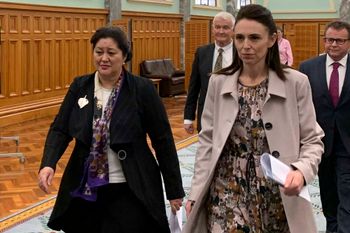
{"x": 254, "y": 106}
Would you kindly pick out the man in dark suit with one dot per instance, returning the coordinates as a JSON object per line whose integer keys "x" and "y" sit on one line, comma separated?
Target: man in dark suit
{"x": 329, "y": 76}
{"x": 208, "y": 58}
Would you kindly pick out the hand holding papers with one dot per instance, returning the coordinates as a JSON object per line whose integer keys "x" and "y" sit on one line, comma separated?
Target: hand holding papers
{"x": 175, "y": 221}
{"x": 277, "y": 171}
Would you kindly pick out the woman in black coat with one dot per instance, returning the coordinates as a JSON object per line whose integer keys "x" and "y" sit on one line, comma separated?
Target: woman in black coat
{"x": 112, "y": 182}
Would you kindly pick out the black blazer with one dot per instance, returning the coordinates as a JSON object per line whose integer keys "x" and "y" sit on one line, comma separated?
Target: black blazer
{"x": 327, "y": 116}
{"x": 197, "y": 91}
{"x": 139, "y": 111}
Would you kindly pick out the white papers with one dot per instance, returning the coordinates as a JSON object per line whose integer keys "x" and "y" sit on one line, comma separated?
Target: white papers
{"x": 175, "y": 221}
{"x": 277, "y": 171}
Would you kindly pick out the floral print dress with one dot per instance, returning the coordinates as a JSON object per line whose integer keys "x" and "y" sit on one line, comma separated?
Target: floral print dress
{"x": 240, "y": 199}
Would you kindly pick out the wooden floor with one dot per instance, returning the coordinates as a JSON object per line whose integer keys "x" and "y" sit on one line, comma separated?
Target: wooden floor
{"x": 18, "y": 182}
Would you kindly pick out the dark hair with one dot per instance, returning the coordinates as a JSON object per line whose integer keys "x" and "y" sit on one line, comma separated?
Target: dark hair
{"x": 338, "y": 25}
{"x": 118, "y": 35}
{"x": 261, "y": 15}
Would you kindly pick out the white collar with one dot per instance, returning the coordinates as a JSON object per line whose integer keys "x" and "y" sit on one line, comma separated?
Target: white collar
{"x": 330, "y": 61}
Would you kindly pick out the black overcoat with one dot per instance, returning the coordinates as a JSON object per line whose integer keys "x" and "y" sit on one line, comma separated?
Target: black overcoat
{"x": 139, "y": 111}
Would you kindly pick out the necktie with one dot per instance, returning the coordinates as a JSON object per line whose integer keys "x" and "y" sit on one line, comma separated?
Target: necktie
{"x": 218, "y": 63}
{"x": 334, "y": 84}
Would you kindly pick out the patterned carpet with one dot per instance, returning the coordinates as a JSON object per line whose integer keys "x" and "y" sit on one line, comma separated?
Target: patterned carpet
{"x": 186, "y": 151}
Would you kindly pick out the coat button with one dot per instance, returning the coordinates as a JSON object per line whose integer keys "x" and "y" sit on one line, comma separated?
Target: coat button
{"x": 268, "y": 126}
{"x": 275, "y": 154}
{"x": 121, "y": 154}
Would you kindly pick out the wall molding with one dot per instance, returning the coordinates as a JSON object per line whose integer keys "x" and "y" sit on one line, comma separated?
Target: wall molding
{"x": 331, "y": 9}
{"x": 37, "y": 7}
{"x": 157, "y": 2}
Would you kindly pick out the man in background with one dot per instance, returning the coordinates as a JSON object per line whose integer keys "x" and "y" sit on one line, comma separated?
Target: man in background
{"x": 208, "y": 58}
{"x": 329, "y": 76}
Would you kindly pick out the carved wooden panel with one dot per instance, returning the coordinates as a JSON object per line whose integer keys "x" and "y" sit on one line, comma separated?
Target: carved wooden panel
{"x": 42, "y": 49}
{"x": 321, "y": 36}
{"x": 124, "y": 24}
{"x": 154, "y": 36}
{"x": 305, "y": 44}
{"x": 197, "y": 33}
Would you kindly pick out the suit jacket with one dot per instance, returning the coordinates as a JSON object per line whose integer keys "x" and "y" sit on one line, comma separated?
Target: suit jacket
{"x": 328, "y": 116}
{"x": 201, "y": 71}
{"x": 132, "y": 119}
{"x": 292, "y": 133}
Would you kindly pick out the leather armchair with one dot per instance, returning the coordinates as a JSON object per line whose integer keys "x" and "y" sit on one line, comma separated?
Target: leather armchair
{"x": 172, "y": 80}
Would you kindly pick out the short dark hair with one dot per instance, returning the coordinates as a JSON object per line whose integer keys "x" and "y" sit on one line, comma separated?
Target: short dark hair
{"x": 338, "y": 25}
{"x": 261, "y": 15}
{"x": 118, "y": 35}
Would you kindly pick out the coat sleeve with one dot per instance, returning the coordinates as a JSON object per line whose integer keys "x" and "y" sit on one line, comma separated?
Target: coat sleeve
{"x": 58, "y": 137}
{"x": 193, "y": 90}
{"x": 158, "y": 128}
{"x": 311, "y": 146}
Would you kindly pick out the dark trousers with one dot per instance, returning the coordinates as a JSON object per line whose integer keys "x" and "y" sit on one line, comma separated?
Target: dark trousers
{"x": 117, "y": 210}
{"x": 334, "y": 177}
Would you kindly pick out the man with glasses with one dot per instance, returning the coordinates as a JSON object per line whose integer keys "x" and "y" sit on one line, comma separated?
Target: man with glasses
{"x": 329, "y": 76}
{"x": 208, "y": 58}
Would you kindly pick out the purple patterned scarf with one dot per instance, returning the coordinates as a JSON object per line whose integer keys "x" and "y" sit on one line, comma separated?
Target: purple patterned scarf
{"x": 96, "y": 170}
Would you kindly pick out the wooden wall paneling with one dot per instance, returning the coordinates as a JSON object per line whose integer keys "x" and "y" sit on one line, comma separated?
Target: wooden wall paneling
{"x": 197, "y": 33}
{"x": 1, "y": 60}
{"x": 124, "y": 24}
{"x": 66, "y": 61}
{"x": 42, "y": 49}
{"x": 321, "y": 36}
{"x": 154, "y": 36}
{"x": 76, "y": 55}
{"x": 26, "y": 67}
{"x": 88, "y": 55}
{"x": 38, "y": 71}
{"x": 3, "y": 55}
{"x": 306, "y": 41}
{"x": 58, "y": 79}
{"x": 306, "y": 37}
{"x": 14, "y": 62}
{"x": 139, "y": 46}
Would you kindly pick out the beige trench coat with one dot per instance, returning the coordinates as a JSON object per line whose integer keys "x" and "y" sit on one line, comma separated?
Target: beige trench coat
{"x": 294, "y": 134}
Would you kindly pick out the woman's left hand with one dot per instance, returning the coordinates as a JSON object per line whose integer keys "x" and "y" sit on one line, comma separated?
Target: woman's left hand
{"x": 175, "y": 205}
{"x": 294, "y": 183}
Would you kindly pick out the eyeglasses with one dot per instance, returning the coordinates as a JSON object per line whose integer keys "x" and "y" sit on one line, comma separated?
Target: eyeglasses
{"x": 337, "y": 41}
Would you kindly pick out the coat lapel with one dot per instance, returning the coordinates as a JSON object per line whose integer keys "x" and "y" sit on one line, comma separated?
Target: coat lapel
{"x": 276, "y": 86}
{"x": 321, "y": 73}
{"x": 122, "y": 126}
{"x": 209, "y": 60}
{"x": 83, "y": 123}
{"x": 345, "y": 93}
{"x": 228, "y": 110}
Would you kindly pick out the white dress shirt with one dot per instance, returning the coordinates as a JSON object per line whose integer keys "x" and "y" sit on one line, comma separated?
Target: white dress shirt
{"x": 341, "y": 70}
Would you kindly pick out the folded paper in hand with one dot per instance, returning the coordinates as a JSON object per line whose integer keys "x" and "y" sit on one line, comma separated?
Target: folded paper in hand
{"x": 175, "y": 221}
{"x": 276, "y": 170}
